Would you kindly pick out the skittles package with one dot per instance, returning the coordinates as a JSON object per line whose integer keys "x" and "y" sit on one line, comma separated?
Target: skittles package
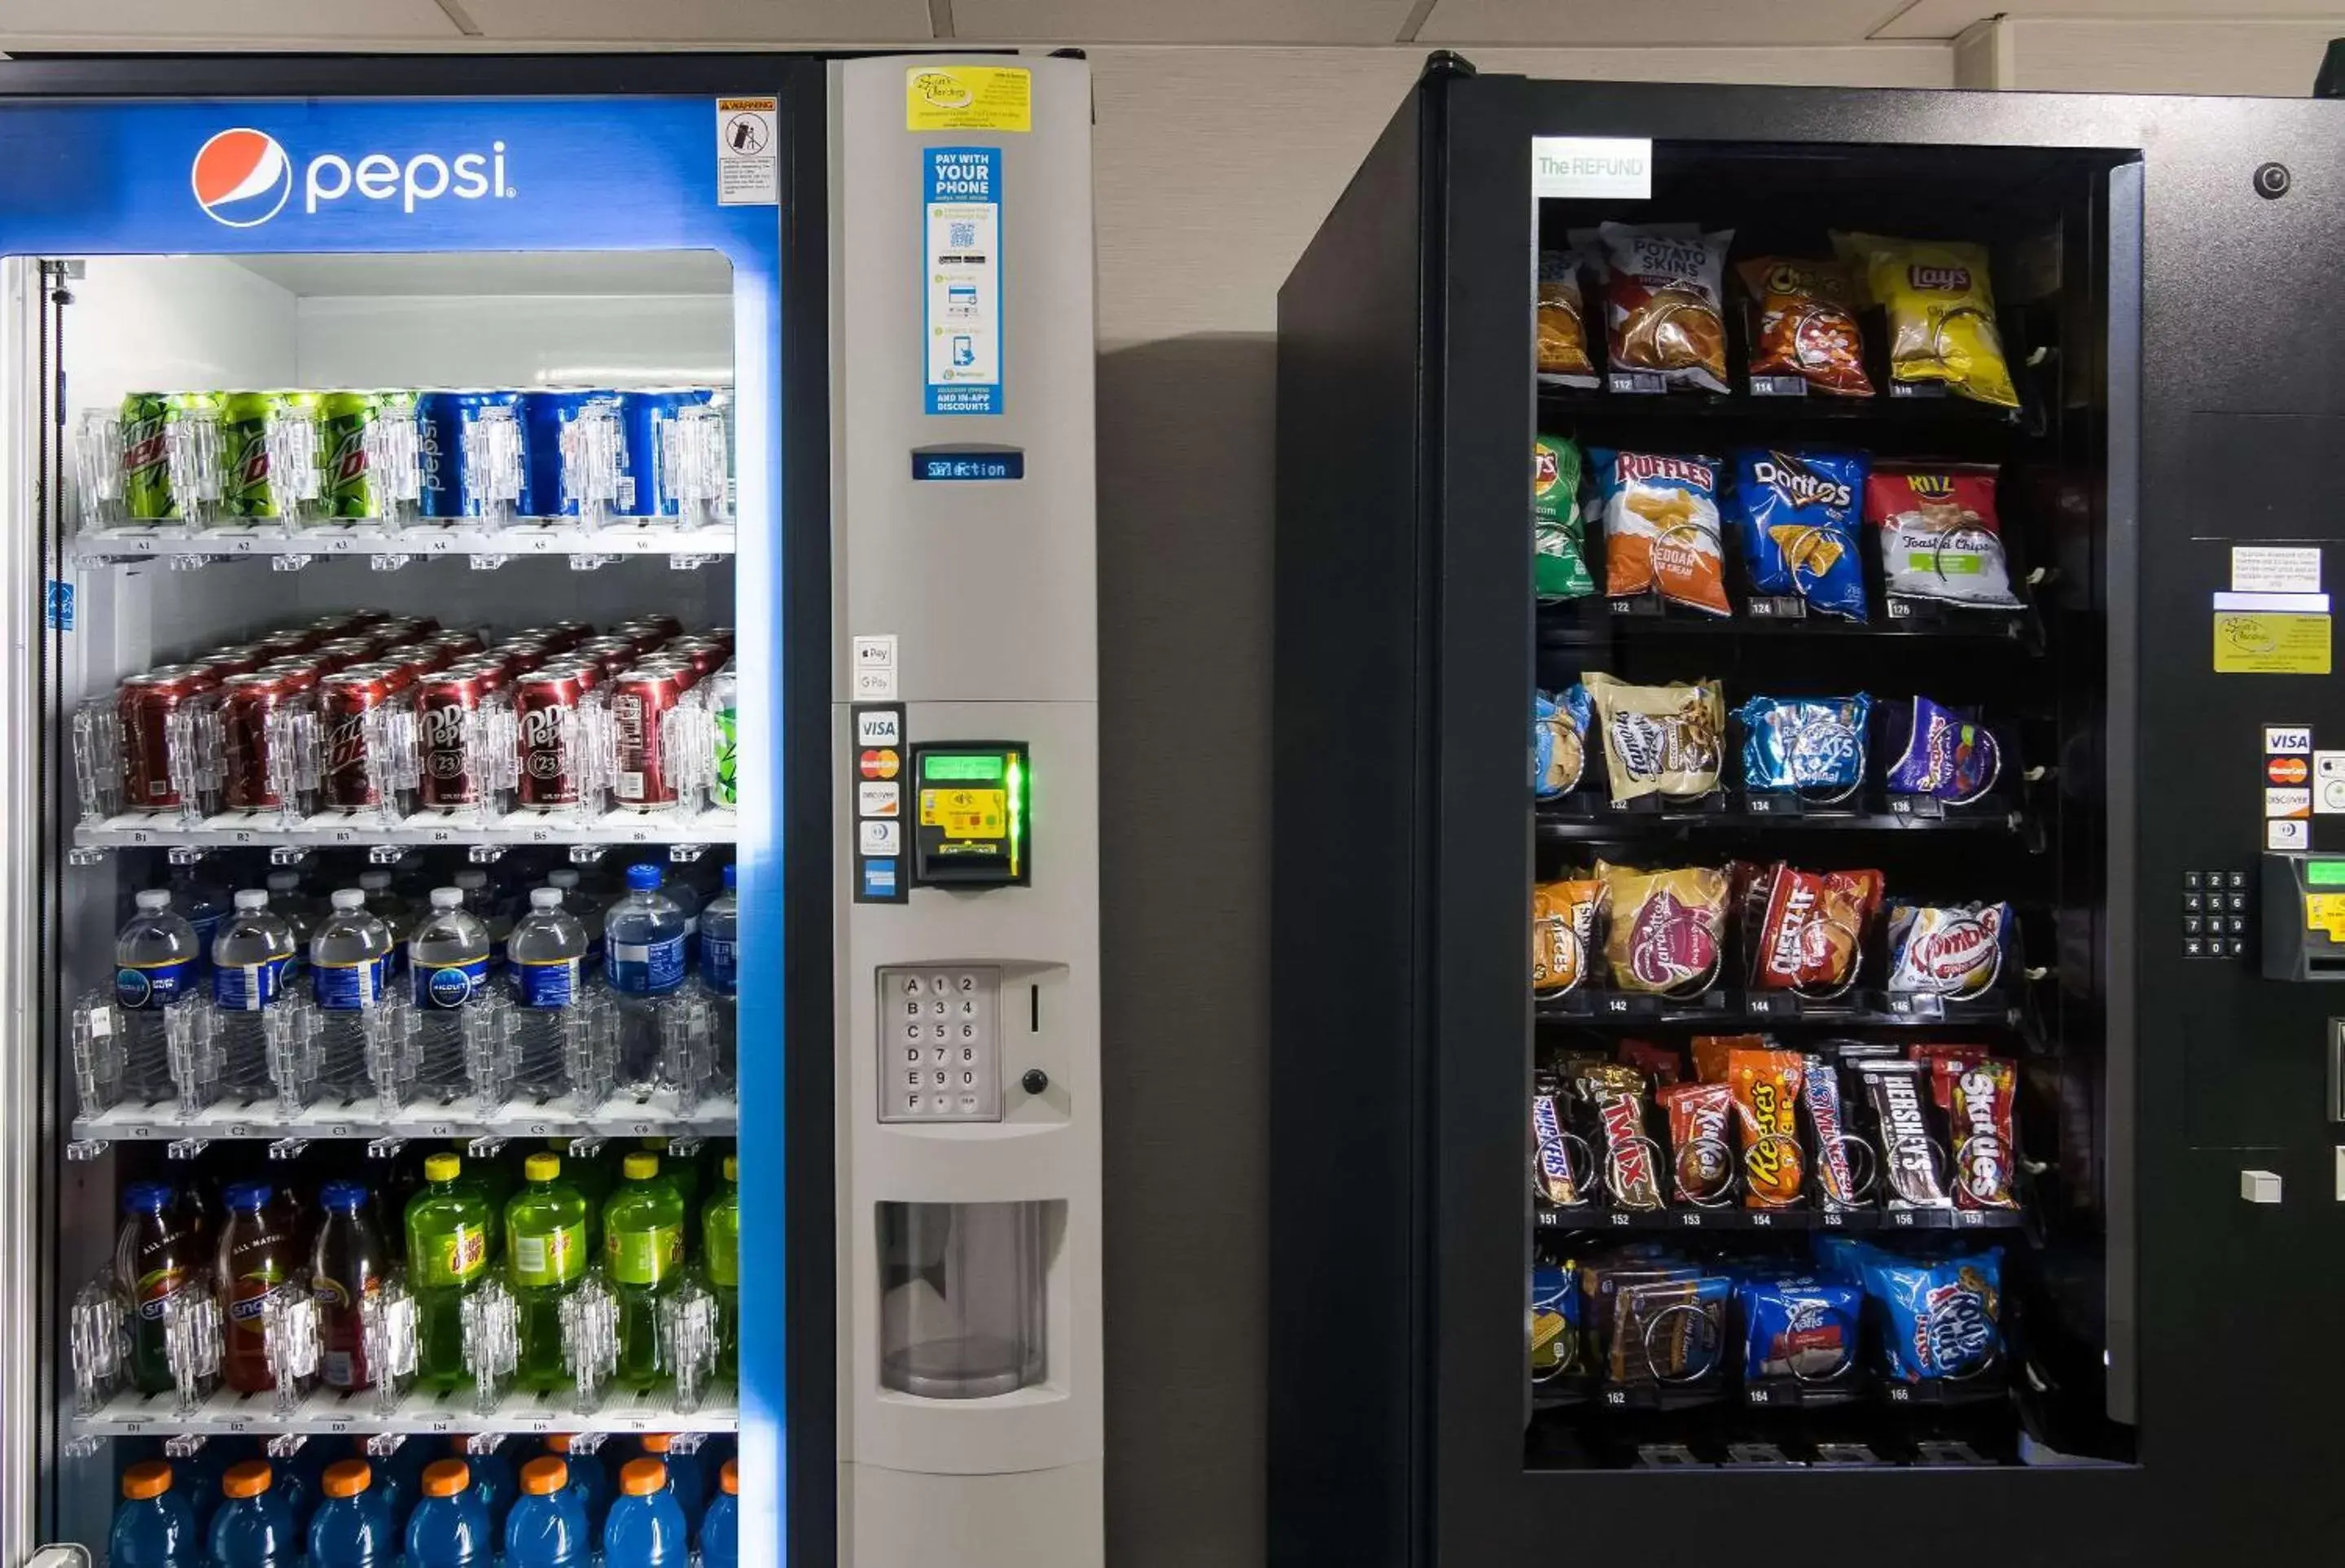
{"x": 1939, "y": 1319}
{"x": 1558, "y": 562}
{"x": 1797, "y": 515}
{"x": 1661, "y": 532}
{"x": 1558, "y": 741}
{"x": 1939, "y": 535}
{"x": 1944, "y": 755}
{"x": 1940, "y": 313}
{"x": 1803, "y": 1328}
{"x": 1813, "y": 746}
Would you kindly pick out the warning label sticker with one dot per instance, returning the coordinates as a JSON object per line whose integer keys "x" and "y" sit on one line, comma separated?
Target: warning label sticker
{"x": 748, "y": 152}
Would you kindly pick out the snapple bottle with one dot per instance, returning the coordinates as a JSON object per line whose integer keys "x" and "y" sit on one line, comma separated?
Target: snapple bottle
{"x": 257, "y": 1258}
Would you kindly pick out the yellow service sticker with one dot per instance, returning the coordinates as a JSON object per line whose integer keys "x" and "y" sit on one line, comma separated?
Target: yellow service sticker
{"x": 2266, "y": 643}
{"x": 2326, "y": 912}
{"x": 968, "y": 98}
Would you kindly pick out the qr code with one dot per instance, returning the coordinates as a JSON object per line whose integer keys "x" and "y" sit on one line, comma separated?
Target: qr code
{"x": 964, "y": 234}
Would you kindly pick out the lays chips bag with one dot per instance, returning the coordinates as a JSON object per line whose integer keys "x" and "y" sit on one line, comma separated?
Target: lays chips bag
{"x": 1941, "y": 312}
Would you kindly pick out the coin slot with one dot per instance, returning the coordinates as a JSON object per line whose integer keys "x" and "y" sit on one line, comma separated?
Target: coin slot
{"x": 1034, "y": 1008}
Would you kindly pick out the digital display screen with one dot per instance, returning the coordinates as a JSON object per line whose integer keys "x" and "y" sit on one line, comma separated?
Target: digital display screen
{"x": 2325, "y": 873}
{"x": 950, "y": 769}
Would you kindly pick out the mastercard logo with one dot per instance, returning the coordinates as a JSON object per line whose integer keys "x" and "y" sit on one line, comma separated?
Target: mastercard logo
{"x": 2287, "y": 771}
{"x": 241, "y": 177}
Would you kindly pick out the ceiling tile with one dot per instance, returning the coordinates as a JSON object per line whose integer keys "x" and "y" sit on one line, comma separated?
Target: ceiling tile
{"x": 1180, "y": 21}
{"x": 1944, "y": 18}
{"x": 1463, "y": 23}
{"x": 153, "y": 22}
{"x": 705, "y": 21}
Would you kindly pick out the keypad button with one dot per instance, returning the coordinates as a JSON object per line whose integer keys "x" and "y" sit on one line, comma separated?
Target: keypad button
{"x": 968, "y": 1079}
{"x": 2238, "y": 903}
{"x": 2235, "y": 879}
{"x": 911, "y": 984}
{"x": 2194, "y": 880}
{"x": 2238, "y": 948}
{"x": 967, "y": 983}
{"x": 912, "y": 1103}
{"x": 2192, "y": 947}
{"x": 940, "y": 1031}
{"x": 942, "y": 1079}
{"x": 968, "y": 1105}
{"x": 912, "y": 1079}
{"x": 912, "y": 1054}
{"x": 968, "y": 1053}
{"x": 2191, "y": 923}
{"x": 2193, "y": 902}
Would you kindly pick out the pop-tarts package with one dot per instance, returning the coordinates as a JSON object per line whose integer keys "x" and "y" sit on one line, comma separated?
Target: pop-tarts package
{"x": 1797, "y": 515}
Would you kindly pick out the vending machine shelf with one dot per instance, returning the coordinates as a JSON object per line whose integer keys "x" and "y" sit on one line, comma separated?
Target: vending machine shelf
{"x": 394, "y": 548}
{"x": 226, "y": 1414}
{"x": 682, "y": 830}
{"x": 367, "y": 1118}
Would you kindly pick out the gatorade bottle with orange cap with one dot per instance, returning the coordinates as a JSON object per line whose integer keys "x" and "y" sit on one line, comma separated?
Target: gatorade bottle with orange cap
{"x": 547, "y": 1527}
{"x": 588, "y": 1480}
{"x": 449, "y": 1528}
{"x": 687, "y": 1476}
{"x": 154, "y": 1527}
{"x": 646, "y": 1528}
{"x": 254, "y": 1527}
{"x": 351, "y": 1527}
{"x": 720, "y": 1529}
{"x": 492, "y": 1479}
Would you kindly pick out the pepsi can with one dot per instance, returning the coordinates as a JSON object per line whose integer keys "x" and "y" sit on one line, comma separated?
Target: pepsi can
{"x": 460, "y": 455}
{"x": 646, "y": 415}
{"x": 577, "y": 455}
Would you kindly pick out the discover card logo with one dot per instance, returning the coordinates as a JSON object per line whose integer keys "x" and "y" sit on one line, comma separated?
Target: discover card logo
{"x": 243, "y": 178}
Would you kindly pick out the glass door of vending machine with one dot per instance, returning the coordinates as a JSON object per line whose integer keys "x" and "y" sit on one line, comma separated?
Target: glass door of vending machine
{"x": 395, "y": 791}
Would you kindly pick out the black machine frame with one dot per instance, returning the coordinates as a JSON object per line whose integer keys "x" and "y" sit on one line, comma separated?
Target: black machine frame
{"x": 1403, "y": 1032}
{"x": 799, "y": 81}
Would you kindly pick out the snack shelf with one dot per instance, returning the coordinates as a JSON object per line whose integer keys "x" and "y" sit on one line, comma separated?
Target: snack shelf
{"x": 1597, "y": 1008}
{"x": 324, "y": 1411}
{"x": 1855, "y": 1387}
{"x": 1575, "y": 623}
{"x": 369, "y": 1119}
{"x": 1785, "y": 401}
{"x": 1685, "y": 1218}
{"x": 1592, "y": 816}
{"x": 130, "y": 830}
{"x": 685, "y": 547}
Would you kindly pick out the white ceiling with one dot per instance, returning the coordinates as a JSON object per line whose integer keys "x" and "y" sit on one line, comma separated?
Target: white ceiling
{"x": 35, "y": 25}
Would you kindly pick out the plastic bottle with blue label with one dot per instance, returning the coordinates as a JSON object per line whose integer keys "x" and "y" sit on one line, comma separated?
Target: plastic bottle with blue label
{"x": 449, "y": 1527}
{"x": 645, "y": 1528}
{"x": 644, "y": 936}
{"x": 303, "y": 913}
{"x": 548, "y": 1526}
{"x": 720, "y": 977}
{"x": 253, "y": 1528}
{"x": 250, "y": 956}
{"x": 299, "y": 1479}
{"x": 155, "y": 960}
{"x": 590, "y": 1480}
{"x": 154, "y": 1527}
{"x": 350, "y": 961}
{"x": 720, "y": 1527}
{"x": 687, "y": 1476}
{"x": 545, "y": 972}
{"x": 448, "y": 973}
{"x": 352, "y": 1525}
{"x": 204, "y": 903}
{"x": 492, "y": 1479}
{"x": 398, "y": 1476}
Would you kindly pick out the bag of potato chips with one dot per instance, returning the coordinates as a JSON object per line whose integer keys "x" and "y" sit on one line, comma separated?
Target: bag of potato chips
{"x": 1559, "y": 566}
{"x": 1563, "y": 358}
{"x": 1661, "y": 528}
{"x": 1940, "y": 313}
{"x": 1797, "y": 513}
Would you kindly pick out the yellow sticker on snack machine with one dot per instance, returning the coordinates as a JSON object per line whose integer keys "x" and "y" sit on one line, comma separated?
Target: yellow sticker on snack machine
{"x": 2325, "y": 912}
{"x": 968, "y": 98}
{"x": 2269, "y": 643}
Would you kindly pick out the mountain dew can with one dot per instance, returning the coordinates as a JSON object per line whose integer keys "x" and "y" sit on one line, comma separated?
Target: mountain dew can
{"x": 345, "y": 418}
{"x": 146, "y": 452}
{"x": 723, "y": 696}
{"x": 249, "y": 490}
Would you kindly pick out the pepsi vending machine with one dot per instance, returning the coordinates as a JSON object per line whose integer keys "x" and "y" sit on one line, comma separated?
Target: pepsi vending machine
{"x": 417, "y": 500}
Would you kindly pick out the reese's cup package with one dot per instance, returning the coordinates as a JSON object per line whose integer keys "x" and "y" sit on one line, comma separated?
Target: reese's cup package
{"x": 1766, "y": 1086}
{"x": 1563, "y": 933}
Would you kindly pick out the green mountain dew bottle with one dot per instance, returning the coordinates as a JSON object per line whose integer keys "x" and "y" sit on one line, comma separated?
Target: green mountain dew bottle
{"x": 545, "y": 1256}
{"x": 720, "y": 1255}
{"x": 448, "y": 1226}
{"x": 642, "y": 1251}
{"x": 591, "y": 1175}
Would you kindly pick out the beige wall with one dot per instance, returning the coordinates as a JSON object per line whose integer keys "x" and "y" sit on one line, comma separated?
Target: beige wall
{"x": 1215, "y": 167}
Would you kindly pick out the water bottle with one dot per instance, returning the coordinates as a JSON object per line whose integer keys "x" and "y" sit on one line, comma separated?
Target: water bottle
{"x": 447, "y": 1259}
{"x": 304, "y": 913}
{"x": 253, "y": 1528}
{"x": 720, "y": 976}
{"x": 158, "y": 1253}
{"x": 349, "y": 966}
{"x": 348, "y": 1263}
{"x": 720, "y": 1527}
{"x": 686, "y": 898}
{"x": 563, "y": 879}
{"x": 493, "y": 1479}
{"x": 646, "y": 1527}
{"x": 249, "y": 958}
{"x": 545, "y": 966}
{"x": 720, "y": 1258}
{"x": 447, "y": 965}
{"x": 688, "y": 1477}
{"x": 449, "y": 1528}
{"x": 353, "y": 1526}
{"x": 156, "y": 961}
{"x": 642, "y": 949}
{"x": 642, "y": 1252}
{"x": 547, "y": 1527}
{"x": 495, "y": 912}
{"x": 203, "y": 902}
{"x": 384, "y": 902}
{"x": 590, "y": 1484}
{"x": 154, "y": 1527}
{"x": 545, "y": 1256}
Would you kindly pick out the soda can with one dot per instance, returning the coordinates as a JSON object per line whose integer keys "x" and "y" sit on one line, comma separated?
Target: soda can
{"x": 719, "y": 634}
{"x": 145, "y": 421}
{"x": 348, "y": 733}
{"x": 666, "y": 661}
{"x": 523, "y": 654}
{"x": 556, "y": 639}
{"x": 546, "y": 705}
{"x": 444, "y": 705}
{"x": 372, "y": 454}
{"x": 303, "y": 672}
{"x": 459, "y": 644}
{"x": 144, "y": 705}
{"x": 364, "y": 617}
{"x": 292, "y": 641}
{"x": 666, "y": 625}
{"x": 576, "y": 631}
{"x": 398, "y": 631}
{"x": 396, "y": 675}
{"x": 234, "y": 659}
{"x": 248, "y": 739}
{"x": 646, "y": 417}
{"x": 260, "y": 433}
{"x": 344, "y": 651}
{"x": 491, "y": 672}
{"x": 614, "y": 653}
{"x": 585, "y": 672}
{"x": 640, "y": 700}
{"x": 707, "y": 654}
{"x": 473, "y": 454}
{"x": 720, "y": 697}
{"x": 419, "y": 660}
{"x": 577, "y": 455}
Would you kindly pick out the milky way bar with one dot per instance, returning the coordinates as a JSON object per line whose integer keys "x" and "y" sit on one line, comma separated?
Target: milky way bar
{"x": 1908, "y": 1163}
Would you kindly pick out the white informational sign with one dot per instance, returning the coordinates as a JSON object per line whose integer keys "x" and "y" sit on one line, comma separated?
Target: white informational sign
{"x": 2275, "y": 568}
{"x": 1615, "y": 169}
{"x": 748, "y": 152}
{"x": 873, "y": 660}
{"x": 962, "y": 310}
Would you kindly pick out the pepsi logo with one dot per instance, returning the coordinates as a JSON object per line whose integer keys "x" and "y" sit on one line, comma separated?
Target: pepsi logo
{"x": 241, "y": 177}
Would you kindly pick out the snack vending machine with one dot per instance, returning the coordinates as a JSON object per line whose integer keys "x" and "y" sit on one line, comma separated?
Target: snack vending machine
{"x": 416, "y": 500}
{"x": 1806, "y": 818}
